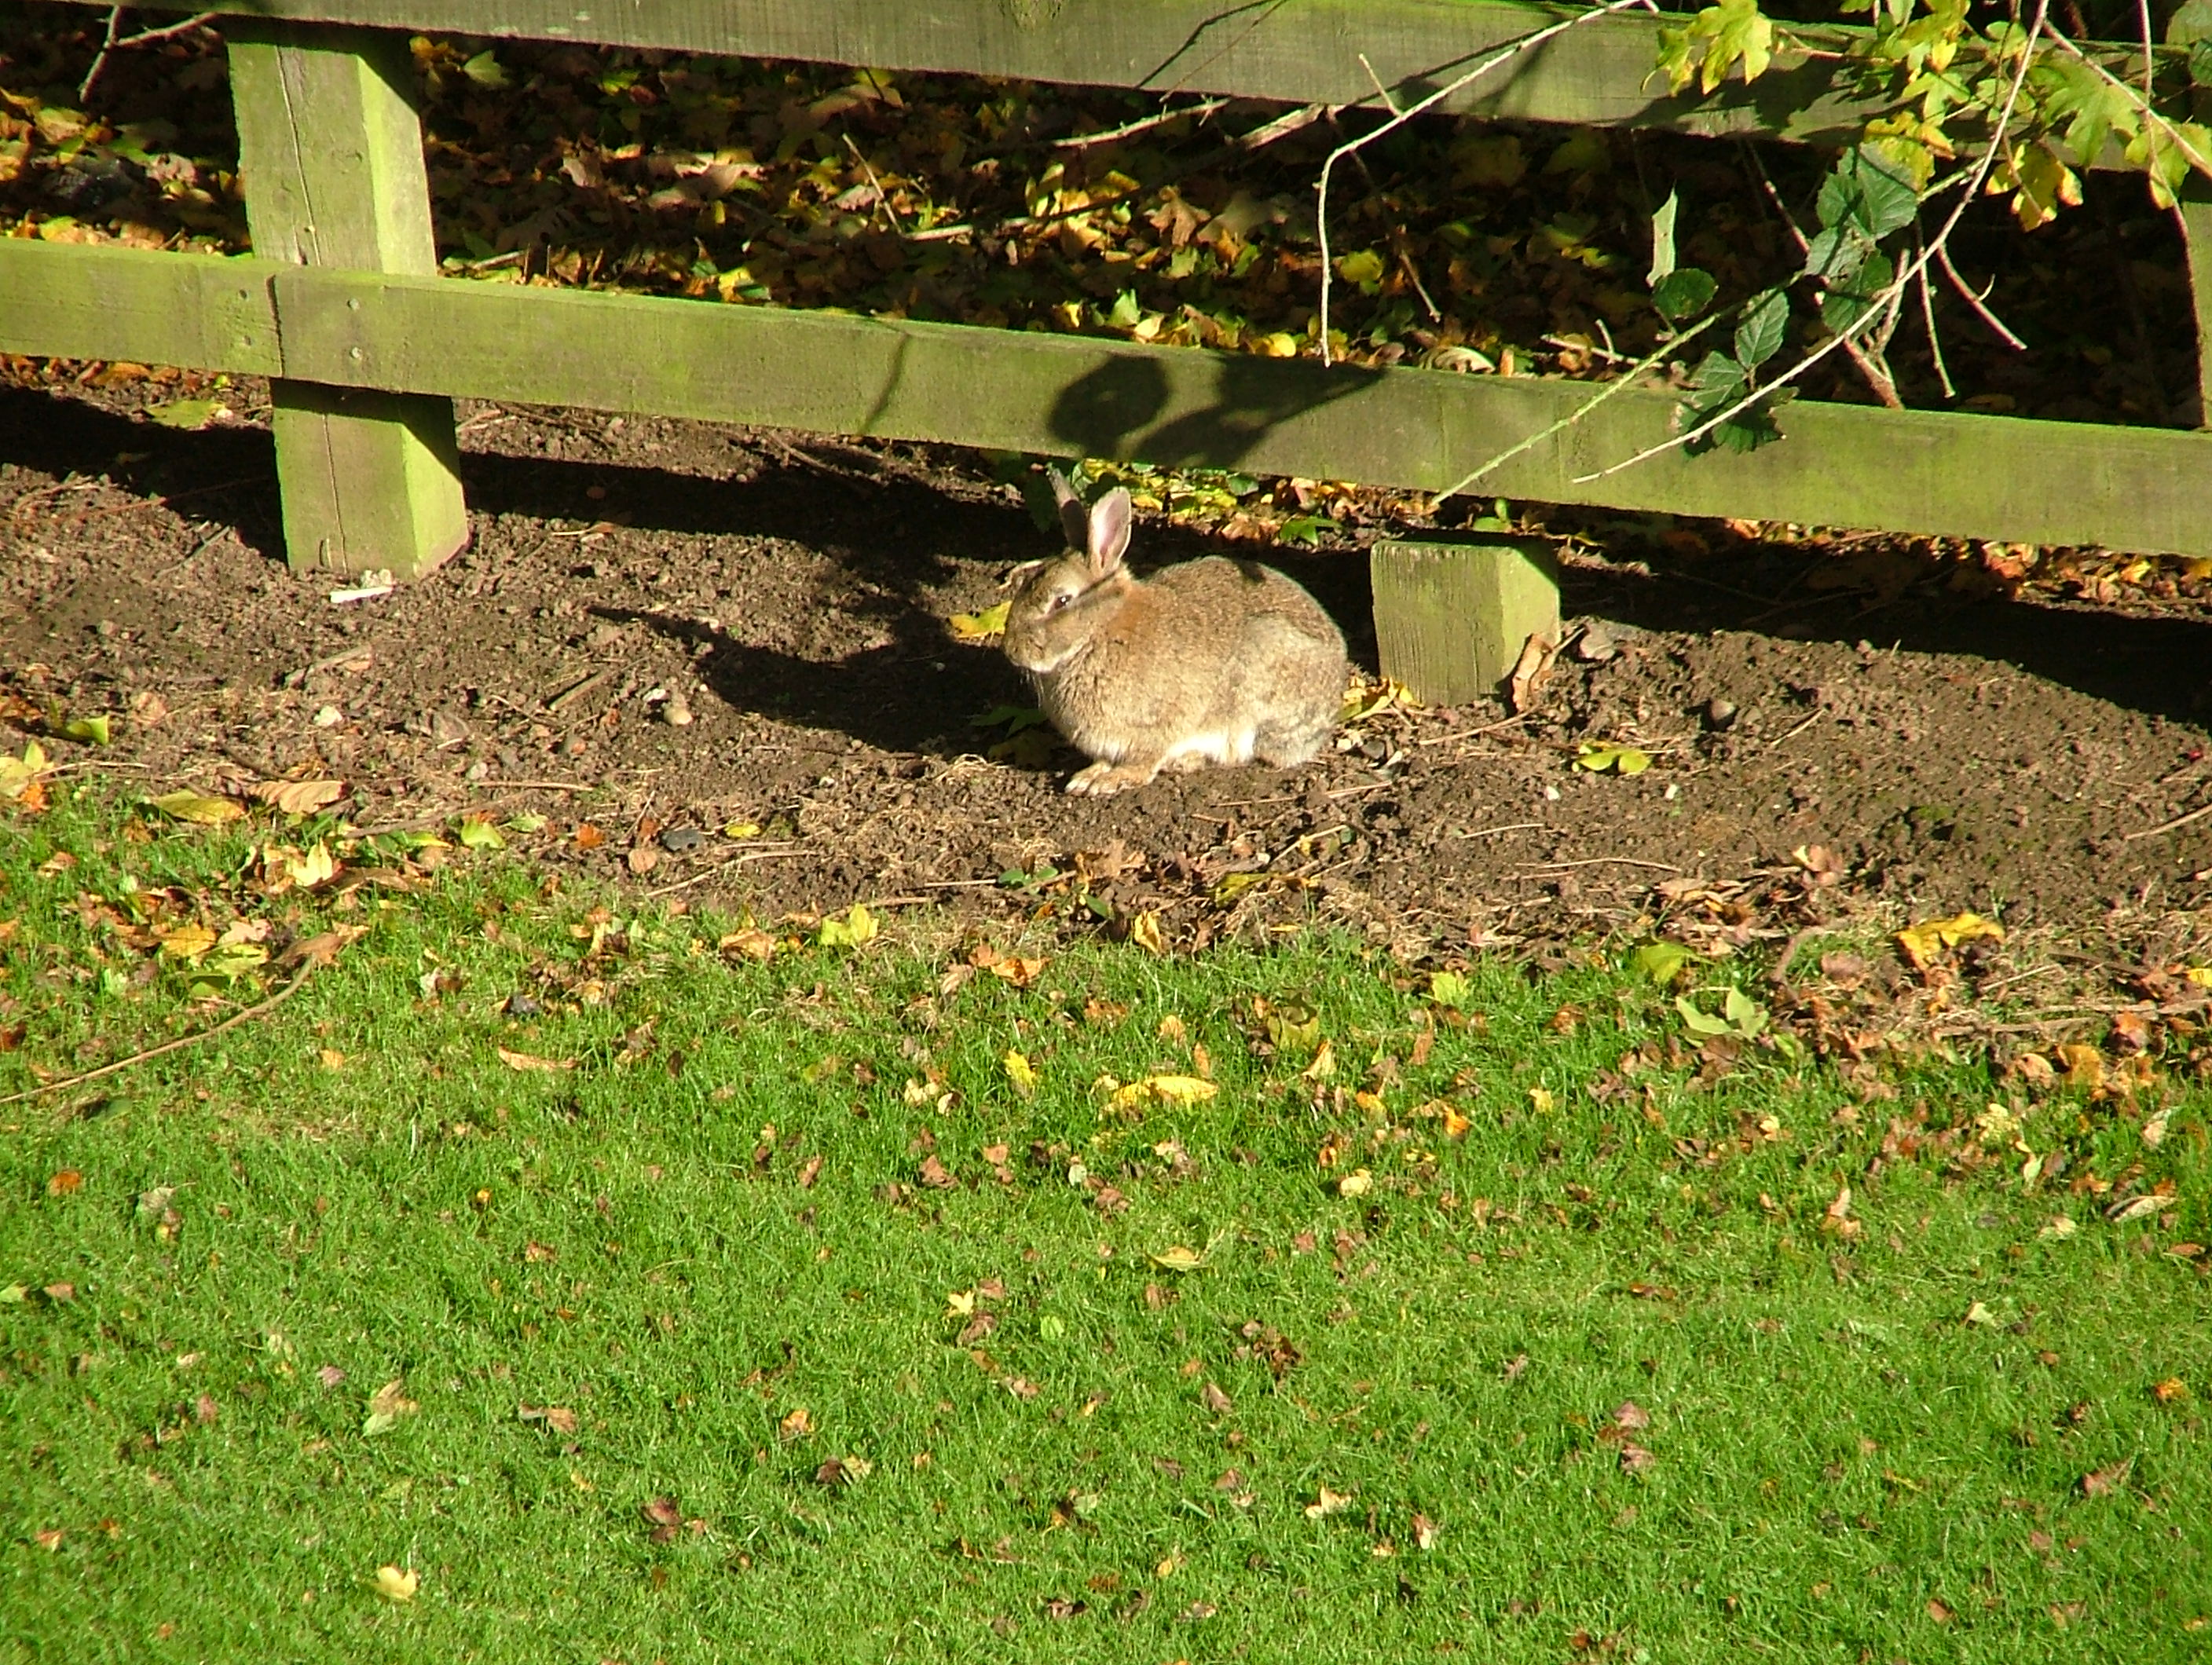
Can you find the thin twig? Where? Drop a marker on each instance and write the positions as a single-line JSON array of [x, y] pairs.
[[1602, 861], [2197, 159], [1979, 302], [2174, 825], [111, 44], [883, 202], [1400, 118], [1494, 832], [1143, 124], [1934, 342], [262, 1010], [1977, 175], [1868, 356], [1626, 378]]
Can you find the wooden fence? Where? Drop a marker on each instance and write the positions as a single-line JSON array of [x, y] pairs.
[[367, 347]]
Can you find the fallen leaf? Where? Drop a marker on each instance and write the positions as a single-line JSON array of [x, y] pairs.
[[1169, 1089], [1634, 1458], [1356, 1184], [2101, 1482], [1630, 1416], [66, 1183], [1144, 932], [1938, 1611], [661, 1511], [396, 1585], [300, 797], [1924, 943], [2172, 1391], [329, 1375], [935, 1174], [20, 777], [1328, 1502], [1530, 670], [50, 1539], [1021, 1074], [796, 1425], [196, 808], [1177, 1258], [190, 416], [386, 1405], [1425, 1532], [526, 1062], [1980, 1313], [2136, 1207], [854, 927], [980, 626], [1214, 1400]]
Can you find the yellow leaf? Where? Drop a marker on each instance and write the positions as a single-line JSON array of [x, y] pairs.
[[316, 867], [194, 807], [1177, 1258], [1021, 1074], [856, 927], [1144, 932], [980, 626], [1323, 1067], [1328, 1502], [2062, 1226], [526, 1061], [394, 1584], [1181, 1089], [1356, 1184], [581, 1481], [2201, 975], [386, 1405], [17, 774], [187, 942], [742, 830], [1924, 943]]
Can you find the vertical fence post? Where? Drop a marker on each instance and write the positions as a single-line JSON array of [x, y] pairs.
[[2197, 241], [331, 151], [1452, 613]]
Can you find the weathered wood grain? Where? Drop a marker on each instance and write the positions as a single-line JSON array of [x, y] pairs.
[[332, 154], [1598, 73], [1451, 614], [1842, 465]]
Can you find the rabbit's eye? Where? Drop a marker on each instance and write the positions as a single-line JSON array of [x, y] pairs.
[[1060, 601]]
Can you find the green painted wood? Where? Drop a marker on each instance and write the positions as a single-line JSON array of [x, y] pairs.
[[105, 301], [1842, 465], [1598, 73], [332, 154], [2196, 239], [1452, 614]]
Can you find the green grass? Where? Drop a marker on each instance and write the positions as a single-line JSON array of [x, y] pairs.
[[1842, 1465]]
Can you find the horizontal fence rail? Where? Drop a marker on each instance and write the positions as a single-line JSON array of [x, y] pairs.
[[1984, 476], [1601, 72]]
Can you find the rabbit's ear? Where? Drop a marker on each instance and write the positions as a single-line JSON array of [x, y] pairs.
[[1109, 531], [1021, 574], [1074, 523]]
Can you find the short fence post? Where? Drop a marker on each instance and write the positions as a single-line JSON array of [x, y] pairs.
[[1452, 614], [330, 150]]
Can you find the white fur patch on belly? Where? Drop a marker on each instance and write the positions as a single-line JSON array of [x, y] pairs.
[[1220, 746]]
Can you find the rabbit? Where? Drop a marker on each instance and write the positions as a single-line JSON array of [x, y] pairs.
[[1210, 661]]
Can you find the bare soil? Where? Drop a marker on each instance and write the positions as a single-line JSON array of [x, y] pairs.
[[1949, 740]]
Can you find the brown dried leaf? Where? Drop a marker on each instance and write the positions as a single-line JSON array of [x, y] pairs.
[[298, 796]]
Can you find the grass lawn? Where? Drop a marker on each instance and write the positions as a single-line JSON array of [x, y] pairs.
[[691, 1306]]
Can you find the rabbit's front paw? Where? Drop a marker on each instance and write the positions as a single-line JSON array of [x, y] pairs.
[[1103, 780]]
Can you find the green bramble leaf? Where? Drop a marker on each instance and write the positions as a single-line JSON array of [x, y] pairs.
[[1683, 294], [1759, 337], [1865, 194], [1716, 40], [1847, 301]]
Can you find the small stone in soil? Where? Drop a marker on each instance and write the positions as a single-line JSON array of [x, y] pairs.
[[520, 1005], [1721, 714], [676, 840]]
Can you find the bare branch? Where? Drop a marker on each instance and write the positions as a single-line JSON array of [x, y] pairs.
[[1978, 303], [1869, 358], [1628, 378], [1142, 124], [1928, 317], [1975, 178], [144, 39], [1459, 83]]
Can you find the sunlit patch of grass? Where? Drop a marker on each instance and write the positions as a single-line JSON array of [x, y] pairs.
[[778, 1314]]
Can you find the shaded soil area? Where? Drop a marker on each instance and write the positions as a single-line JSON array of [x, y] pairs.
[[1860, 728]]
